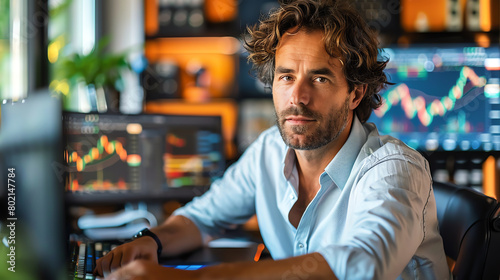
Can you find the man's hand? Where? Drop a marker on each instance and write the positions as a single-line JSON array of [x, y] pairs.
[[147, 270], [310, 266], [143, 248]]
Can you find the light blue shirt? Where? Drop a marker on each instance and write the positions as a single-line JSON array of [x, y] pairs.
[[374, 216]]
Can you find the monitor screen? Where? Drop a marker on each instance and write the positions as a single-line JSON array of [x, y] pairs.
[[31, 194], [121, 153], [445, 98]]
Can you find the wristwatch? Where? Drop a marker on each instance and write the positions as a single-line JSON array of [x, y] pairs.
[[147, 232]]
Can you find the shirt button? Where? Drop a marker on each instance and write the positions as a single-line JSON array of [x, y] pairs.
[[301, 245], [292, 196]]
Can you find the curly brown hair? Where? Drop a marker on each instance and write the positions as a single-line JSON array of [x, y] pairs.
[[347, 37]]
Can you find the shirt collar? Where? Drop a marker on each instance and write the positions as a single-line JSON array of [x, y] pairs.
[[340, 167]]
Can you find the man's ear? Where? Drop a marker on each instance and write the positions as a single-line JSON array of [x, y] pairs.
[[357, 95]]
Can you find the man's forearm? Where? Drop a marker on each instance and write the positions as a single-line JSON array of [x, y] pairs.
[[178, 235], [310, 266]]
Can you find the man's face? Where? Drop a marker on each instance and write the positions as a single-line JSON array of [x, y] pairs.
[[310, 92]]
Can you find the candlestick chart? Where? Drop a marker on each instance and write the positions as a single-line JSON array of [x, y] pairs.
[[426, 109], [442, 98], [101, 162]]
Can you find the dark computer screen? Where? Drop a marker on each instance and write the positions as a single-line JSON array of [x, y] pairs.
[[31, 195], [142, 153], [445, 98]]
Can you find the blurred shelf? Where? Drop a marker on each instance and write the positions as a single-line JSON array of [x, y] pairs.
[[465, 37]]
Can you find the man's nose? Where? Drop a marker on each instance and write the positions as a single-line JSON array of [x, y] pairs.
[[300, 92]]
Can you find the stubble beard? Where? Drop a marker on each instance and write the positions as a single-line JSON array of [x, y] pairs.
[[336, 122]]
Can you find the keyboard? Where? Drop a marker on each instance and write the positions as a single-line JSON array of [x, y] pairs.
[[84, 254]]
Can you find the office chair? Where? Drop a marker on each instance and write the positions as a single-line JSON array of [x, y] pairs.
[[469, 224]]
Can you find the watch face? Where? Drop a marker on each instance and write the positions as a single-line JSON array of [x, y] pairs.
[[141, 233], [147, 232]]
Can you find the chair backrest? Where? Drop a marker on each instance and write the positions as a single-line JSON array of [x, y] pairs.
[[469, 224]]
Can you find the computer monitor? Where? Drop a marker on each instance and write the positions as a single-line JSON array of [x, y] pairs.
[[445, 98], [146, 156], [32, 219]]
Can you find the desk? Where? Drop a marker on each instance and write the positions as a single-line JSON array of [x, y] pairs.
[[211, 255]]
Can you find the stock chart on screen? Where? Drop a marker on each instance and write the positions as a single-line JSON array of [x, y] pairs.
[[444, 98], [102, 153], [190, 155], [114, 152]]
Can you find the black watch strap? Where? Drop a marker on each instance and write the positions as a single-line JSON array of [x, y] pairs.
[[147, 232]]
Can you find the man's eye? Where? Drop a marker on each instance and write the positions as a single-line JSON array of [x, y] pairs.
[[286, 78], [320, 79]]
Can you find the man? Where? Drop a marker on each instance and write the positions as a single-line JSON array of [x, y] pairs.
[[334, 200]]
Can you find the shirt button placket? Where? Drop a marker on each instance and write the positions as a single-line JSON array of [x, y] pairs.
[[300, 248]]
